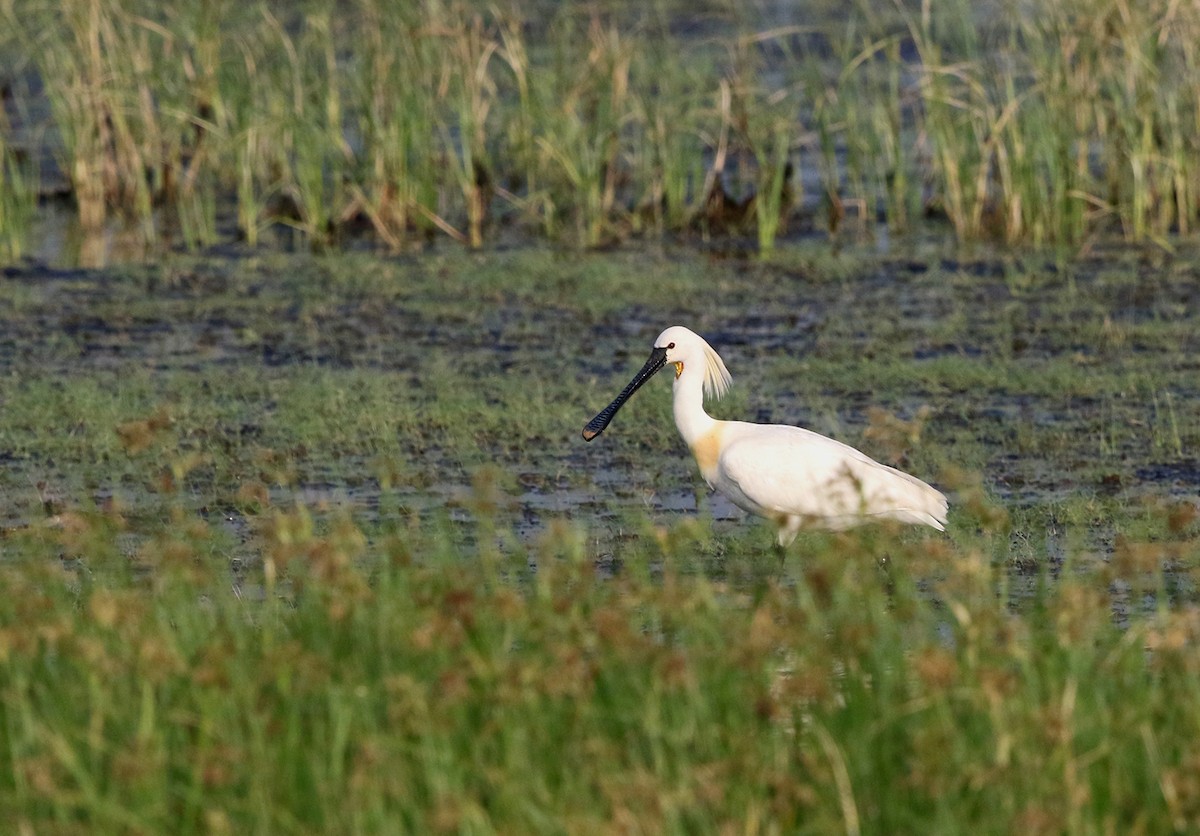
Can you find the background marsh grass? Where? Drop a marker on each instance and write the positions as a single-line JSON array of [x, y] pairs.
[[1047, 124]]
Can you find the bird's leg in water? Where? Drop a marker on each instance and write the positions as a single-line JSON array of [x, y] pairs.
[[780, 552]]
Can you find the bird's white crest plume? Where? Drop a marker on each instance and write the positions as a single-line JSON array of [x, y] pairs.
[[717, 379], [792, 476]]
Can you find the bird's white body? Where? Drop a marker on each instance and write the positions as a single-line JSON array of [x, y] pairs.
[[794, 477]]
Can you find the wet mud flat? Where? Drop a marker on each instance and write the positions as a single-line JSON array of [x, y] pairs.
[[451, 386]]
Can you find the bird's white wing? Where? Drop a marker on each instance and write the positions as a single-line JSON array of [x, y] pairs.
[[781, 470]]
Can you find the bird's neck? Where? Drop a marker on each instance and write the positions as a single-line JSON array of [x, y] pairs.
[[691, 419]]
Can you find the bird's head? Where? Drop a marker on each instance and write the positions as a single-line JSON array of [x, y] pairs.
[[688, 353]]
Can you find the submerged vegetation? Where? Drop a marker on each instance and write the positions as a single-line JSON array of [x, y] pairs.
[[295, 544], [1039, 122]]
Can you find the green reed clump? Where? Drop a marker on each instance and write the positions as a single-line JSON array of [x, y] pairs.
[[668, 153], [91, 94], [1123, 79], [464, 135], [765, 121], [18, 202], [585, 107], [1072, 117], [393, 119], [413, 675]]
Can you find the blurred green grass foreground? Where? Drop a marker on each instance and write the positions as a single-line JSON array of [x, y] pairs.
[[414, 686]]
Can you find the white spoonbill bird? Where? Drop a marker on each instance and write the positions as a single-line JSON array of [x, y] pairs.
[[792, 476]]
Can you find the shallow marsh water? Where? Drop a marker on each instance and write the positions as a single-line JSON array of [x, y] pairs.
[[453, 386]]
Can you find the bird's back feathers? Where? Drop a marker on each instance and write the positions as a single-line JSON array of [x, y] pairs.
[[783, 471]]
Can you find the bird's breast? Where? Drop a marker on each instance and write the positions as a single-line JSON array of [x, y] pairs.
[[707, 449]]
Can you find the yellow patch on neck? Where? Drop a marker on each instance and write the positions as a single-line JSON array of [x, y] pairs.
[[706, 450], [678, 370]]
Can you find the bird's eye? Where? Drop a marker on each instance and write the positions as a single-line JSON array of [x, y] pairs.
[[670, 345]]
